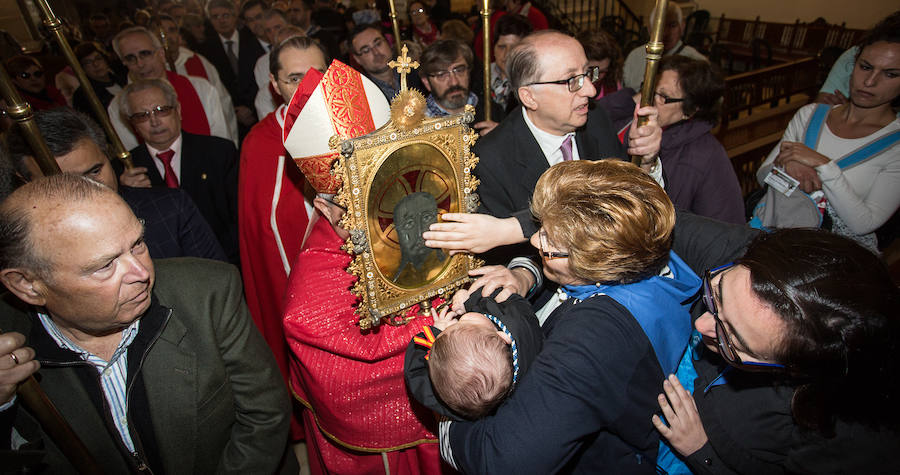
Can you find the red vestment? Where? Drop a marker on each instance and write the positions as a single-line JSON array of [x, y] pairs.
[[351, 382], [193, 116], [272, 220]]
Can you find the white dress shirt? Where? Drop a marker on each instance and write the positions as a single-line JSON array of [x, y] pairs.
[[550, 143]]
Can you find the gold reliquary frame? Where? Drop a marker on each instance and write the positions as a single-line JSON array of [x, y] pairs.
[[396, 181]]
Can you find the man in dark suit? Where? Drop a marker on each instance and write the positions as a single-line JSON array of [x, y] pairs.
[[234, 53], [206, 167], [549, 73], [173, 226]]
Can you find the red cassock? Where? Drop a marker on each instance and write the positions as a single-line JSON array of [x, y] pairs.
[[272, 221], [351, 382]]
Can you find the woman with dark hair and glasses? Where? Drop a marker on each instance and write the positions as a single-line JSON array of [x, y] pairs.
[[799, 373], [697, 172], [28, 76], [622, 323]]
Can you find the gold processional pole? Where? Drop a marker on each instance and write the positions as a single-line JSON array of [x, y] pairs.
[[51, 21], [29, 390], [654, 50], [486, 30], [396, 25]]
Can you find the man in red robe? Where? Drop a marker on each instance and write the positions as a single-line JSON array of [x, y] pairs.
[[358, 417], [272, 212]]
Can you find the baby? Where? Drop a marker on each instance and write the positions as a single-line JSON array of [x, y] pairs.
[[464, 368]]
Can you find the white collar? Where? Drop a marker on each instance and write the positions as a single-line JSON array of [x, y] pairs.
[[548, 142]]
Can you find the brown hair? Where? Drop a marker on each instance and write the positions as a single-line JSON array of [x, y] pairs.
[[599, 45], [471, 369], [614, 220], [702, 84]]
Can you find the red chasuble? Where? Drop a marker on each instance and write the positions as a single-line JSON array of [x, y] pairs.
[[272, 220], [351, 382]]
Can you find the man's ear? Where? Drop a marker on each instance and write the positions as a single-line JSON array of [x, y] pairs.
[[426, 82], [273, 82], [23, 284], [526, 97]]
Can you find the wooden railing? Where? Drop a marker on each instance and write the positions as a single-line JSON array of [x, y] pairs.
[[611, 15], [746, 91], [757, 108]]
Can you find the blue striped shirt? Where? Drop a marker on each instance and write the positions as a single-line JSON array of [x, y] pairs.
[[112, 373]]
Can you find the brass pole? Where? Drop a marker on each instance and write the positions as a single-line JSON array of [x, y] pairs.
[[654, 50], [486, 30], [21, 112], [396, 25], [57, 428], [51, 21]]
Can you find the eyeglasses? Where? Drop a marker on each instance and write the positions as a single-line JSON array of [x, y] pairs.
[[158, 111], [668, 100], [26, 75], [141, 55], [420, 11], [458, 71], [549, 255], [378, 43], [723, 340], [576, 82]]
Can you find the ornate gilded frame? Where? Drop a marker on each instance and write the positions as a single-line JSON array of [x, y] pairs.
[[380, 169]]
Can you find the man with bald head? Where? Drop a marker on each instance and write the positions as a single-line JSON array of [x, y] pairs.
[[155, 365]]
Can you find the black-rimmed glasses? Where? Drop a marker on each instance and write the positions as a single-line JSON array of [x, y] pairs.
[[158, 111], [576, 82], [549, 255], [723, 340], [669, 100], [458, 71]]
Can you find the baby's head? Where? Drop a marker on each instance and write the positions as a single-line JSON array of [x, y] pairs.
[[471, 366]]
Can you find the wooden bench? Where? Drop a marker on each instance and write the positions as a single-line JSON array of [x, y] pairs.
[[788, 41]]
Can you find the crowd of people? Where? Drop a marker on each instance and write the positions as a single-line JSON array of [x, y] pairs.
[[188, 310]]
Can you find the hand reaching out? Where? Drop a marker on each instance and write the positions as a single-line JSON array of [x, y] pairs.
[[470, 232], [685, 429]]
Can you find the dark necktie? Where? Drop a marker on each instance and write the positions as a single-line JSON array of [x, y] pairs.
[[232, 58], [166, 159], [566, 148]]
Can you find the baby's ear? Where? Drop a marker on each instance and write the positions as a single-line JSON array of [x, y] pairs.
[[505, 337]]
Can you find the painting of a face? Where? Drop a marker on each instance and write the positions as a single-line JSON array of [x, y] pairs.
[[412, 217], [410, 191]]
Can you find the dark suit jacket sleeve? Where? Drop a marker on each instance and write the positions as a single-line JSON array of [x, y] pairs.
[[600, 139], [194, 233], [260, 401], [705, 243]]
